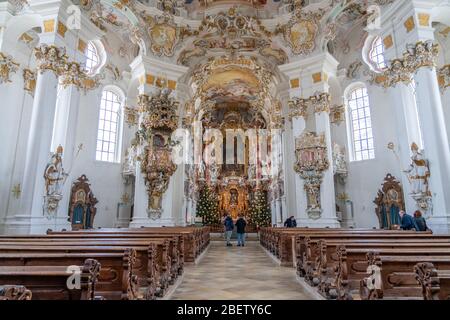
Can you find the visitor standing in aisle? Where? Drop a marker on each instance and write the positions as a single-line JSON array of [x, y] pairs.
[[229, 226], [240, 230]]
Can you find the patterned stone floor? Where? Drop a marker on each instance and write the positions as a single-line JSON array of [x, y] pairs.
[[234, 273]]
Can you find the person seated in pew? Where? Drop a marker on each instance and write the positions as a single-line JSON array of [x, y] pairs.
[[407, 222], [290, 222], [420, 221]]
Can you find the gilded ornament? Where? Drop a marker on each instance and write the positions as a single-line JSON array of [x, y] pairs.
[[7, 67], [164, 34], [29, 81], [301, 31], [337, 114], [444, 77], [131, 116], [311, 162], [422, 54], [160, 110], [50, 58]]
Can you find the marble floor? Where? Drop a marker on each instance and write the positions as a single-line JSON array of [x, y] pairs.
[[235, 273]]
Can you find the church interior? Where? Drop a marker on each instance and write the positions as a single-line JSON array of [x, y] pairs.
[[133, 130]]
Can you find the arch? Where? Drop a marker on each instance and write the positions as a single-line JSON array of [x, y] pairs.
[[367, 51], [101, 55], [15, 27]]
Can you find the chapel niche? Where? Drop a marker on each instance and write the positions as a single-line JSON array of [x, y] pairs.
[[82, 208], [389, 202]]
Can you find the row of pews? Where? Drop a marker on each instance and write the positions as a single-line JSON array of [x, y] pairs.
[[97, 264], [366, 264]]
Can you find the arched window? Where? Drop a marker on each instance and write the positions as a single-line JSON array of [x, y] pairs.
[[92, 58], [109, 126], [360, 125], [376, 54]]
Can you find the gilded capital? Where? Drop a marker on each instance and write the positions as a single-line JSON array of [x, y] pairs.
[[298, 107], [73, 74], [321, 102], [421, 54], [50, 57]]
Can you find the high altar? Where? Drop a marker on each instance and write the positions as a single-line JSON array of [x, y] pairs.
[[233, 196]]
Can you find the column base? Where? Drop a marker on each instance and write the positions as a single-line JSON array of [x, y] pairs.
[[347, 224], [23, 225], [147, 222], [439, 225]]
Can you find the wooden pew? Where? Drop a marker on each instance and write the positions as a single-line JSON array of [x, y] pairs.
[[10, 292], [301, 241], [119, 279], [116, 277], [195, 239], [435, 283], [169, 251], [50, 282], [316, 252], [394, 277], [282, 242]]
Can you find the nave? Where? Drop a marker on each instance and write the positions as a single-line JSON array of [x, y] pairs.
[[239, 273]]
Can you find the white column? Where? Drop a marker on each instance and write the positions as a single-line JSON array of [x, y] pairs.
[[64, 134], [327, 194], [31, 214], [14, 111], [436, 145], [407, 133]]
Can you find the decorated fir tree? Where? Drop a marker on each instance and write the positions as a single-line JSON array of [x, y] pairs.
[[207, 206], [260, 210]]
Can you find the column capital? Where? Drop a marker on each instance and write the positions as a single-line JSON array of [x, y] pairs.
[[311, 74], [317, 103], [419, 55], [153, 73]]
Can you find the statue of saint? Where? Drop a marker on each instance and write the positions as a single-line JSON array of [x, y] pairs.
[[418, 171], [54, 174]]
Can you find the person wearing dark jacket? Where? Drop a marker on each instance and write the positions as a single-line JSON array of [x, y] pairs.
[[420, 221], [229, 226], [240, 230], [407, 222], [290, 222]]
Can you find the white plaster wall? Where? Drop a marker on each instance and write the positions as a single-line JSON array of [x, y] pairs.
[[105, 177]]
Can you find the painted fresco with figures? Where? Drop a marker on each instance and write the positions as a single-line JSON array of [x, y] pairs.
[[315, 133]]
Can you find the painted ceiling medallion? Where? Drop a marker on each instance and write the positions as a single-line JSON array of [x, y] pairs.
[[301, 31], [164, 34]]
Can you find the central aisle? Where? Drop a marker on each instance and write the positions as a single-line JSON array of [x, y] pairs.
[[234, 273]]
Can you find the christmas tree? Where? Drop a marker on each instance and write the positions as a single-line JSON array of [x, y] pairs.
[[260, 210], [207, 207]]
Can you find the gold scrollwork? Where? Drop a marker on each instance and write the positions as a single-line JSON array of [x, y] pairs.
[[29, 81], [444, 77], [422, 54], [7, 66]]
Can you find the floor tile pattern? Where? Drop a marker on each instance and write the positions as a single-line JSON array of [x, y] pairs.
[[235, 273]]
